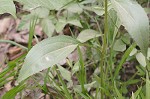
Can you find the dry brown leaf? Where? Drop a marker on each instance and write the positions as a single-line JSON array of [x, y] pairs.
[[7, 25]]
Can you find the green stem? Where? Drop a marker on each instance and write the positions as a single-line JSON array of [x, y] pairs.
[[104, 51], [82, 72], [31, 32]]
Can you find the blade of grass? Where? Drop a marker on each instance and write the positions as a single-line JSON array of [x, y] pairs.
[[137, 93], [117, 92], [82, 72], [45, 81], [4, 78], [65, 89], [12, 93], [58, 88], [14, 43], [11, 66], [125, 56], [31, 32]]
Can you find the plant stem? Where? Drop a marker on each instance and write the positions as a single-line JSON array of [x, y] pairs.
[[82, 72], [104, 50], [31, 32]]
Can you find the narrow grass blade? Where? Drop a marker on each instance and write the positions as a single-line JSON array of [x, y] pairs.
[[14, 43], [12, 93], [125, 56], [117, 92], [31, 32]]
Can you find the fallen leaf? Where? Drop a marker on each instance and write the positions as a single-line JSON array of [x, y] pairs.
[[6, 24]]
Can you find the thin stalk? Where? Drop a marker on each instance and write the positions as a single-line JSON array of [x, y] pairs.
[[31, 32], [82, 72], [104, 50], [65, 89], [14, 43]]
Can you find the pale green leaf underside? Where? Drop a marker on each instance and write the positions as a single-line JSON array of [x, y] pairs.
[[49, 4], [46, 54], [135, 20], [119, 46], [48, 26], [65, 73], [62, 22], [141, 59], [7, 6], [87, 34]]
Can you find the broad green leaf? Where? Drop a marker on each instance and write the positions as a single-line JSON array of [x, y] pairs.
[[62, 22], [60, 25], [12, 93], [48, 27], [99, 10], [135, 20], [46, 54], [40, 12], [119, 46], [75, 22], [74, 8], [7, 6], [49, 4], [87, 34], [141, 59]]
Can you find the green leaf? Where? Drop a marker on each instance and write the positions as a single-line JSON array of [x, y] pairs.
[[137, 93], [49, 4], [74, 8], [119, 46], [147, 86], [25, 22], [7, 6], [75, 22], [41, 12], [135, 20], [60, 24], [87, 34], [46, 54], [12, 93], [87, 86], [63, 21], [65, 73], [141, 59], [134, 51], [75, 67], [48, 27]]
